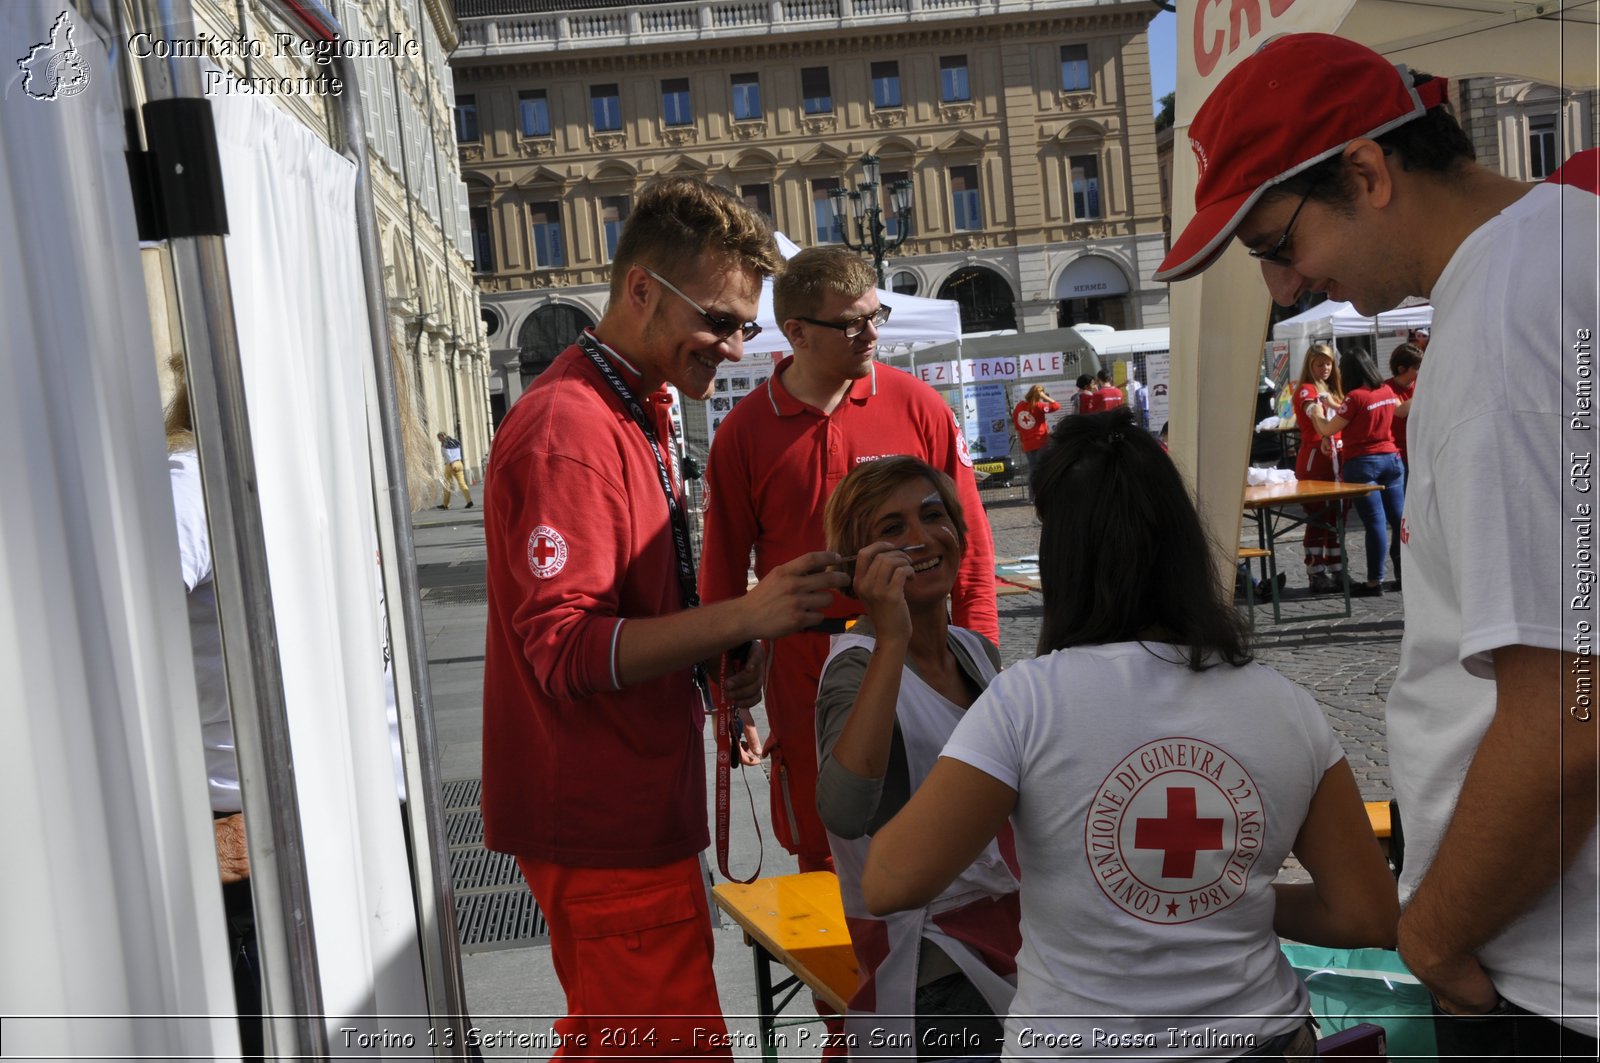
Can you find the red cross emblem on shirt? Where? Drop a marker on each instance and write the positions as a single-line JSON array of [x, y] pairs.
[[1181, 835], [547, 551]]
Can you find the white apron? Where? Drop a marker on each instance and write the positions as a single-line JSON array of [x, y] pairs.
[[969, 921]]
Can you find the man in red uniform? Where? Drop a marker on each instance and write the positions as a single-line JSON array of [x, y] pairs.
[[1405, 361], [1084, 400], [826, 409], [594, 765], [1109, 396]]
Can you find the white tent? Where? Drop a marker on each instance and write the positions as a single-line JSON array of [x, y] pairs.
[[1332, 318], [1221, 318]]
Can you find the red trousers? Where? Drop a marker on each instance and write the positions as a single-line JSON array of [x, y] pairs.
[[632, 948]]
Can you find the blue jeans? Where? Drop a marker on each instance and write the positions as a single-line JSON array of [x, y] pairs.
[[1379, 509]]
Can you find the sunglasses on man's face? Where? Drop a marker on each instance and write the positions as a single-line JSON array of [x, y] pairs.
[[856, 325], [720, 327]]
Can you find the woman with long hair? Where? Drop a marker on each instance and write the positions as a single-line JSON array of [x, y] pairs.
[[1365, 424], [1319, 389], [1155, 779], [1029, 420], [892, 690]]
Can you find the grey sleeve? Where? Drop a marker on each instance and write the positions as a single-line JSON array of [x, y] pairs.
[[845, 801]]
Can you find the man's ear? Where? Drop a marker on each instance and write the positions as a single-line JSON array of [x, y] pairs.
[[1369, 167], [636, 287], [794, 330]]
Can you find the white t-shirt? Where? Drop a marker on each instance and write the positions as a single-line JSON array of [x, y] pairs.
[[205, 638], [1492, 553], [205, 634], [1154, 807]]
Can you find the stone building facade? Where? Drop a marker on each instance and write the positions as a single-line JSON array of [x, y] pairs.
[[1025, 132], [420, 199], [1524, 129]]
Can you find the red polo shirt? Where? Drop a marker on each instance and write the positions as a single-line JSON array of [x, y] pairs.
[[575, 770], [776, 460], [1032, 429], [1369, 422]]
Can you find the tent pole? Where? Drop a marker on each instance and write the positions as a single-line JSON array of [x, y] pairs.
[[292, 988]]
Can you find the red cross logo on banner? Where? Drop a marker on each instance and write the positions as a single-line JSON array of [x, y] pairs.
[[1180, 836], [547, 551]]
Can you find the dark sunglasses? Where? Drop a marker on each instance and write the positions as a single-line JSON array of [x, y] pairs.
[[721, 327]]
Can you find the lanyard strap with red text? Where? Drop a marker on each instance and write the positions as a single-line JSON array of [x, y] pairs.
[[719, 708], [728, 731]]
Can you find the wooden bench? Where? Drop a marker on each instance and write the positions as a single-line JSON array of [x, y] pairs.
[[1248, 554], [1378, 816], [794, 922]]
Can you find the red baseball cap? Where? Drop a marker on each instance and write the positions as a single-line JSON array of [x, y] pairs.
[[1298, 100]]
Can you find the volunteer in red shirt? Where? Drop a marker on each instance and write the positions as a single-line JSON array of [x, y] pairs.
[[1365, 422], [1319, 391], [593, 749], [1029, 420], [1405, 361], [776, 458], [1108, 396], [1085, 399]]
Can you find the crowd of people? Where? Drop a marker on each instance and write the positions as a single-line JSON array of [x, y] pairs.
[[1086, 841]]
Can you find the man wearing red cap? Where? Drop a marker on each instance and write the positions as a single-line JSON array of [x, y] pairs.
[[1347, 175]]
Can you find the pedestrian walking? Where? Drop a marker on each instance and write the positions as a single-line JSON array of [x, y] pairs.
[[455, 473]]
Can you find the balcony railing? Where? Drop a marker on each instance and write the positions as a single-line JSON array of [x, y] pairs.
[[619, 27]]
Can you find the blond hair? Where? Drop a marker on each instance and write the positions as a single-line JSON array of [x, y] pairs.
[[813, 275], [1335, 384], [676, 221]]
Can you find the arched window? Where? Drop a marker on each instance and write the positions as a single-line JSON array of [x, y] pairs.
[[986, 301], [548, 331]]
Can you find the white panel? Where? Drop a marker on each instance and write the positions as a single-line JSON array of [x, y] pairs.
[[110, 904], [304, 352]]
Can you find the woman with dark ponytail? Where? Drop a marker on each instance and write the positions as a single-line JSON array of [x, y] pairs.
[[1155, 779]]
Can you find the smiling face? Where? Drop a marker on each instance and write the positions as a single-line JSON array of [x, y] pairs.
[[678, 345], [913, 514]]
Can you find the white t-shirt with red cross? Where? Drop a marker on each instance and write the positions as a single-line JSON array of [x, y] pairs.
[[1498, 544], [1155, 805]]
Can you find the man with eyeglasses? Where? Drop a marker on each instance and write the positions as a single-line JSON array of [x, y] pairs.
[[593, 755], [828, 407], [1346, 174]]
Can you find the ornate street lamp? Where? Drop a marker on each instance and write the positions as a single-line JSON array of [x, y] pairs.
[[867, 206]]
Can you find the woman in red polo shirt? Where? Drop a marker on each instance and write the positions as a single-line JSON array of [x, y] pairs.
[[1028, 418], [1318, 460], [1366, 424]]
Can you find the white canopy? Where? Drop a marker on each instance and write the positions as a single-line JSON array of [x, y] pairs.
[[1332, 318]]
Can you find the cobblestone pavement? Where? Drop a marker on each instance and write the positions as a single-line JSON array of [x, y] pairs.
[[1346, 663]]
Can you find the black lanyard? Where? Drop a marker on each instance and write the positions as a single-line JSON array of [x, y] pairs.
[[675, 513]]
